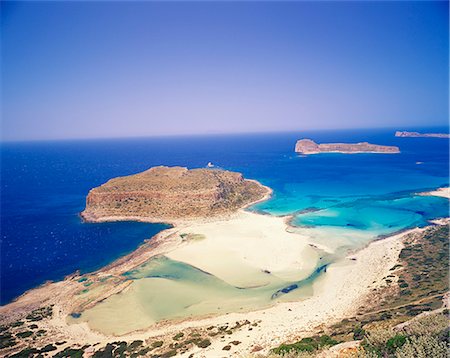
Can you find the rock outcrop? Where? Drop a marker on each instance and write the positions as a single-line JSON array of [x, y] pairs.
[[307, 146], [167, 194], [417, 134]]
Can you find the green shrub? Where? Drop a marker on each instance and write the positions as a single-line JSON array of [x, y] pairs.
[[295, 347], [105, 353], [134, 345], [395, 342], [377, 337], [171, 353], [308, 344], [24, 334], [428, 325], [204, 343], [325, 341], [7, 340], [17, 324], [178, 336], [70, 352], [157, 344], [422, 347], [120, 349], [358, 333], [26, 353], [48, 348]]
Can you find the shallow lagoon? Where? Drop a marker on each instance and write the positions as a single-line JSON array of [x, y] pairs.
[[166, 289]]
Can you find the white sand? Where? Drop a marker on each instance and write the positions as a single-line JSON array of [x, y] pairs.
[[442, 192], [338, 294], [238, 250], [247, 250]]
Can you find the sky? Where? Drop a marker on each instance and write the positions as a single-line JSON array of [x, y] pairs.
[[124, 69]]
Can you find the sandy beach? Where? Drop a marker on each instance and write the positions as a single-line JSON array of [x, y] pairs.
[[228, 265], [339, 293], [246, 250], [442, 192], [240, 250]]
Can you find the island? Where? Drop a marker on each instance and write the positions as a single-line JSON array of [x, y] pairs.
[[167, 194], [405, 134], [308, 146]]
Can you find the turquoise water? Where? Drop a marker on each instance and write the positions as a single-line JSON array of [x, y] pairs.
[[369, 194], [355, 198], [378, 215]]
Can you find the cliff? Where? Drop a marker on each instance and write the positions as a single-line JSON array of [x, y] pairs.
[[307, 146], [167, 194], [417, 134]]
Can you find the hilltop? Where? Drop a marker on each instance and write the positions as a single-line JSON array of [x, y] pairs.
[[172, 193]]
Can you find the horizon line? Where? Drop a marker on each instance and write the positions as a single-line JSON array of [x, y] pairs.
[[216, 134]]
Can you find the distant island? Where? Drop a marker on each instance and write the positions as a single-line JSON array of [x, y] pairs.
[[308, 146], [167, 194], [417, 134]]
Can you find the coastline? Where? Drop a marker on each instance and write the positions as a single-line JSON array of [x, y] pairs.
[[443, 192], [337, 294], [344, 152], [162, 242]]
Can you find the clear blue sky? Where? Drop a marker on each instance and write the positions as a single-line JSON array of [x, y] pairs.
[[112, 69]]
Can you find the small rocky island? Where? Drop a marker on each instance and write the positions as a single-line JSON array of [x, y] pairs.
[[167, 194], [308, 146], [417, 134]]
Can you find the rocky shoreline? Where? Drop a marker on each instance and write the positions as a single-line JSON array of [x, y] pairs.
[[307, 146]]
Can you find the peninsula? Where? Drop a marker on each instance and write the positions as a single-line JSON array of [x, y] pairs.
[[308, 146], [167, 194], [417, 134]]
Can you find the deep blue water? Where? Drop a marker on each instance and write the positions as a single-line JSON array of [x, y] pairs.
[[44, 185]]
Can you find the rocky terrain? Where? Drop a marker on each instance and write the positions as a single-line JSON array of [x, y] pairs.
[[406, 316], [172, 193], [307, 146], [417, 134]]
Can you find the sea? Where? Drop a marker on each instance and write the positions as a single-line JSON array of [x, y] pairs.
[[354, 198]]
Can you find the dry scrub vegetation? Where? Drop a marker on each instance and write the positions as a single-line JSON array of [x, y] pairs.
[[391, 326]]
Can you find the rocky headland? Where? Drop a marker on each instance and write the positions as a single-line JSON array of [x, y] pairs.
[[308, 146], [169, 194], [417, 134]]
